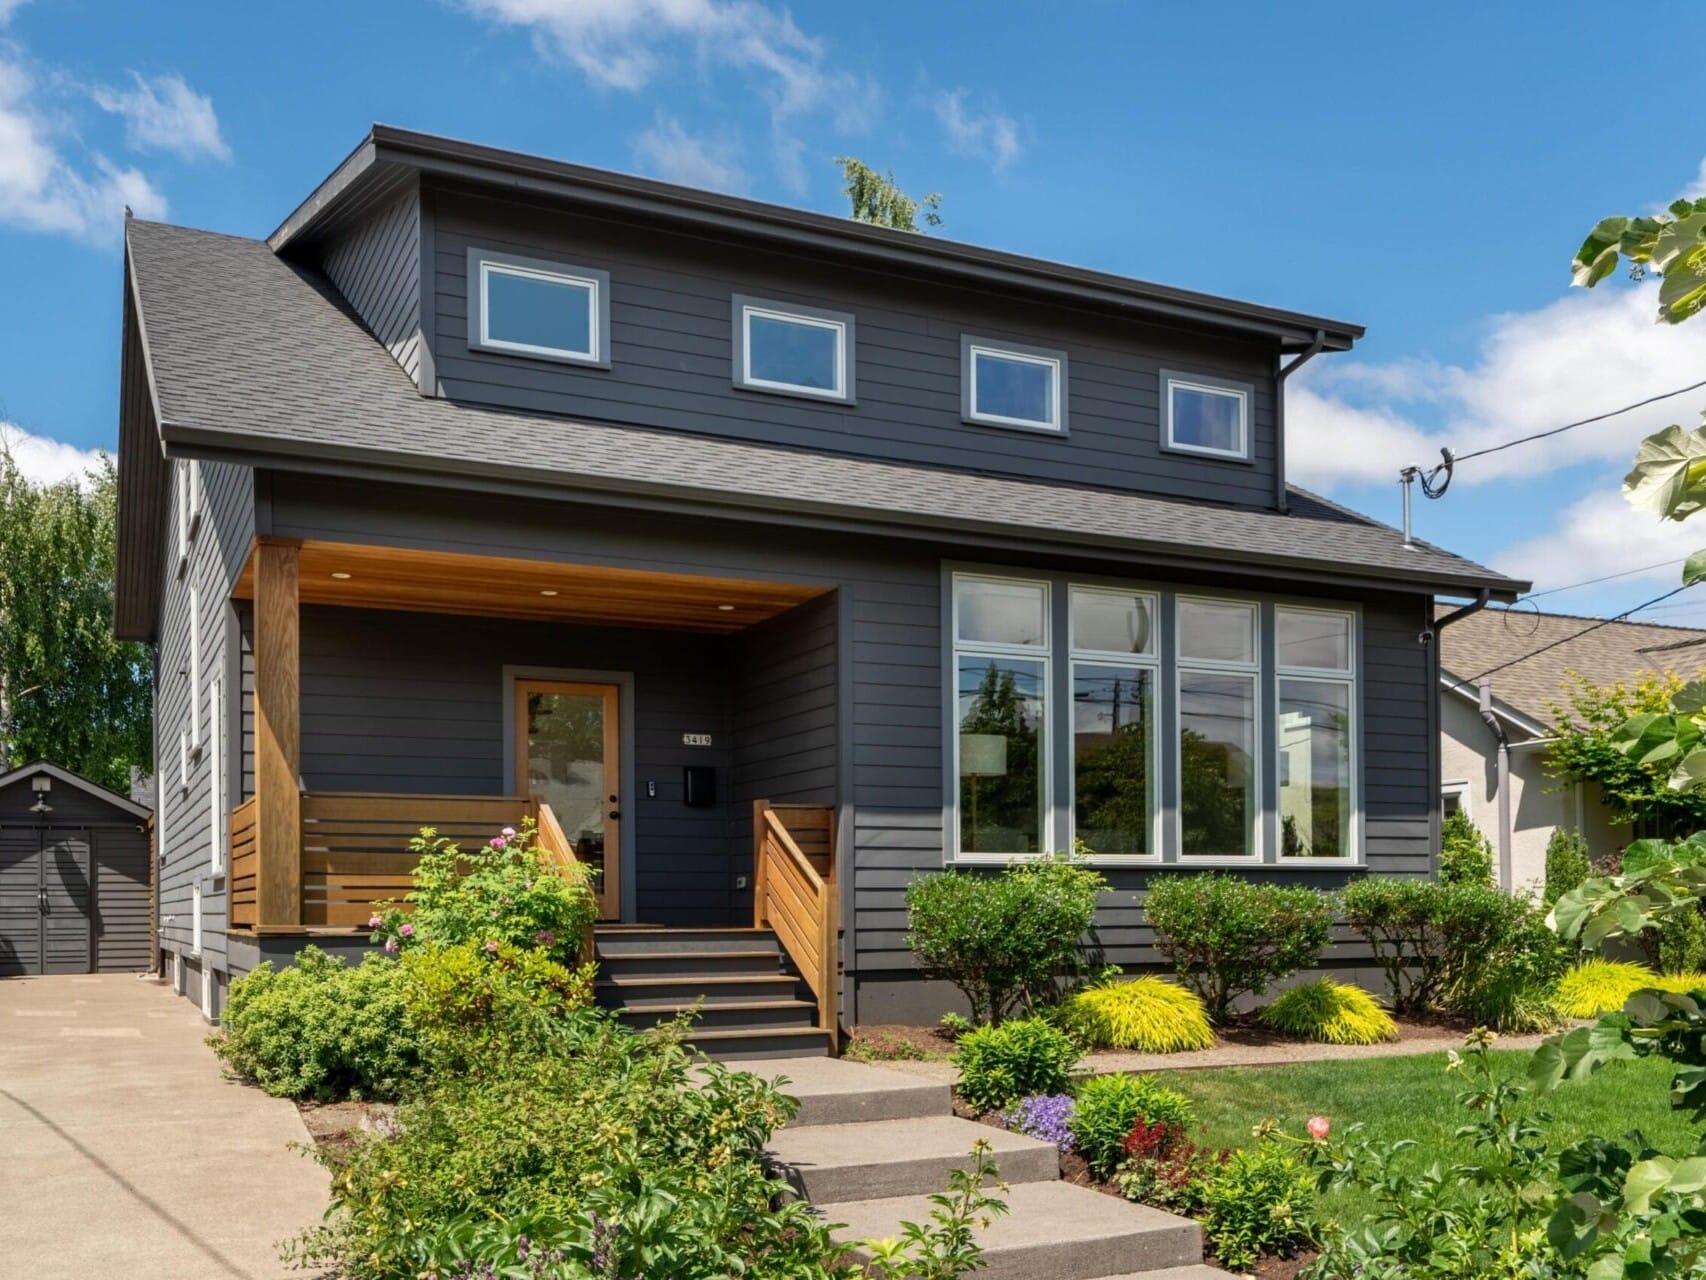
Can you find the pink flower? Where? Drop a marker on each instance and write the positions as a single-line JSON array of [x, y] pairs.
[[390, 946], [1319, 1127], [408, 931], [492, 946], [497, 842], [374, 921], [508, 833]]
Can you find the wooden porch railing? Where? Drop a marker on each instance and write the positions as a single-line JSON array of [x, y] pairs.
[[245, 863], [794, 894], [562, 851]]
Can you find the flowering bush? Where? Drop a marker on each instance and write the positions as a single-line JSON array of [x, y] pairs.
[[1110, 1107], [471, 1007], [1259, 1201], [1046, 1117], [1000, 1065], [506, 891], [1164, 1168]]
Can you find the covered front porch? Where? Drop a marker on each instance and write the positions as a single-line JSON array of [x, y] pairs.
[[635, 715]]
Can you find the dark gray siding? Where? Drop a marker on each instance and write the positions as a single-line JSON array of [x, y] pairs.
[[671, 358], [121, 899], [376, 265]]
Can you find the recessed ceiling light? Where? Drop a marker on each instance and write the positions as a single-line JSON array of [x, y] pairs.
[[725, 608], [341, 577], [547, 592]]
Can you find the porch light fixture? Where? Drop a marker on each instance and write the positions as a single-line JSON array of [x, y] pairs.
[[341, 576], [725, 608], [547, 592]]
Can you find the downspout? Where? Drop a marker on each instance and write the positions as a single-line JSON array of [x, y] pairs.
[[1282, 503], [1430, 635], [1504, 782]]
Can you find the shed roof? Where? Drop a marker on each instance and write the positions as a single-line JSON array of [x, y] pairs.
[[61, 774]]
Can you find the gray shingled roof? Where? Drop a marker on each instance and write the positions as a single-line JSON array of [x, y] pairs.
[[1602, 654], [254, 356]]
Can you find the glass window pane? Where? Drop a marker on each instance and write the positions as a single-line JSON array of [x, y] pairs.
[[792, 352], [1308, 639], [1113, 770], [1008, 387], [537, 311], [1204, 419], [566, 766], [1217, 764], [1002, 612], [1001, 705], [1216, 631], [1315, 769], [1113, 621]]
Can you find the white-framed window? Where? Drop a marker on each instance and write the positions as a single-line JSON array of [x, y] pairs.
[[1454, 798], [1001, 713], [544, 310], [195, 919], [1115, 682], [1218, 694], [1005, 385], [793, 350], [217, 829], [1315, 667], [195, 668], [186, 482], [1209, 416]]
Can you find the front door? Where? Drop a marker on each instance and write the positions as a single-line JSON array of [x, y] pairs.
[[44, 900], [567, 755]]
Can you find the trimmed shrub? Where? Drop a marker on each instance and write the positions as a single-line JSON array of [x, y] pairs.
[[1567, 864], [319, 1029], [1000, 1065], [1110, 1107], [1681, 940], [1600, 986], [1004, 940], [1229, 936], [473, 1005], [1148, 1013], [1465, 855], [1332, 1012], [1261, 1201]]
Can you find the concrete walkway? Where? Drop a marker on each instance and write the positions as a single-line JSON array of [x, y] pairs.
[[124, 1154]]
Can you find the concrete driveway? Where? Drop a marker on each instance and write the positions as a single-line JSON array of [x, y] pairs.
[[125, 1154]]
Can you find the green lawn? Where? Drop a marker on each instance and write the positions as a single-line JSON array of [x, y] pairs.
[[1415, 1097]]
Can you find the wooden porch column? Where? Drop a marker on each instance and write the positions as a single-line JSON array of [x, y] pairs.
[[278, 733]]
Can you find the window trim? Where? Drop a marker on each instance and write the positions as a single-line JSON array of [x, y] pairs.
[[1246, 395], [1150, 662], [218, 827], [1043, 653], [598, 320], [971, 347], [1257, 673], [743, 307], [194, 672], [1350, 679]]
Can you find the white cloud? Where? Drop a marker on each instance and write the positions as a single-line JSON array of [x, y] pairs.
[[669, 151], [43, 190], [165, 114], [1587, 353], [626, 44], [1696, 189], [44, 460], [989, 134], [1597, 535], [8, 8]]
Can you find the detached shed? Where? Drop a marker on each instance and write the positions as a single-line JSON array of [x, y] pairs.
[[74, 868]]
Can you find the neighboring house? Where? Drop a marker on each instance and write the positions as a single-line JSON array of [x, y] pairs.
[[74, 886], [1535, 656], [488, 480]]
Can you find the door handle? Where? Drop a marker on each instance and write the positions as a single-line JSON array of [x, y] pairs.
[[41, 901], [615, 815]]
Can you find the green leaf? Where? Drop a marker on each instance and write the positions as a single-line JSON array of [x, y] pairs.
[[1692, 696], [1669, 475], [1645, 1181]]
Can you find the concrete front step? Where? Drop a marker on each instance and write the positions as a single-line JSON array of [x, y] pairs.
[[727, 962], [1201, 1271], [629, 940], [836, 1091], [881, 1159], [627, 992], [738, 1015], [1052, 1231], [741, 1045]]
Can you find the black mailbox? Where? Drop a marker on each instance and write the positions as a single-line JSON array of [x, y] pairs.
[[699, 786]]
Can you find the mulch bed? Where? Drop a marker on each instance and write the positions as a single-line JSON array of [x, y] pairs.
[[335, 1125]]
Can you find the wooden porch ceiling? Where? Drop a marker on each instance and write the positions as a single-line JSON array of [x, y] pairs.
[[371, 577]]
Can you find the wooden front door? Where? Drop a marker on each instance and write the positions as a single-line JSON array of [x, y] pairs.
[[568, 755]]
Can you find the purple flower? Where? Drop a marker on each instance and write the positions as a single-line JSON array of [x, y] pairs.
[[545, 938], [492, 946], [508, 833], [374, 921], [408, 931], [1044, 1116], [390, 946], [497, 842]]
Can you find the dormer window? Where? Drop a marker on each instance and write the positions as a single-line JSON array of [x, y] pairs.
[[1003, 384], [1205, 415], [543, 310], [793, 350]]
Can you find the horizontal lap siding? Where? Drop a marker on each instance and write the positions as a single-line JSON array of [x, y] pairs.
[[121, 899], [376, 265], [670, 320]]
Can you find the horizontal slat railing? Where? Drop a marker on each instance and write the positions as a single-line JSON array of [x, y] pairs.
[[245, 855], [562, 851], [794, 894]]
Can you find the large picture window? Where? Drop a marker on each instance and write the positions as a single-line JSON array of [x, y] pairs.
[[1315, 651], [1115, 672], [1219, 680], [1001, 663]]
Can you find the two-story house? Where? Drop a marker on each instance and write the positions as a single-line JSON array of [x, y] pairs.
[[771, 559]]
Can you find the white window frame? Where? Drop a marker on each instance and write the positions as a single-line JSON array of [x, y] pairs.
[[1043, 653], [186, 479], [1150, 662], [1172, 381], [1461, 789], [484, 263], [1347, 678], [217, 825], [1214, 666], [839, 322], [184, 761], [971, 348], [195, 670]]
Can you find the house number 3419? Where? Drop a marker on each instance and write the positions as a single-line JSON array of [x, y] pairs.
[[695, 739]]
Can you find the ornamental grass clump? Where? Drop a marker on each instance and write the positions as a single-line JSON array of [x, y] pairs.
[[1331, 1012], [1148, 1014], [1595, 987]]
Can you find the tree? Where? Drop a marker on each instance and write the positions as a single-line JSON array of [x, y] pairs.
[[1589, 749], [877, 199], [69, 690]]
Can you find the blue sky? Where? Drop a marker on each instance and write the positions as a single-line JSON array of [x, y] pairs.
[[1426, 172]]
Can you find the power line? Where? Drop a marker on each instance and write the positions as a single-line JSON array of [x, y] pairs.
[[1575, 635], [1588, 582], [1571, 426]]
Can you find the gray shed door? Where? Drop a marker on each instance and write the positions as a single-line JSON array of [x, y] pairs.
[[44, 900]]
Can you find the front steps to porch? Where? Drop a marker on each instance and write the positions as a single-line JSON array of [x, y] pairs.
[[750, 1001], [870, 1145]]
